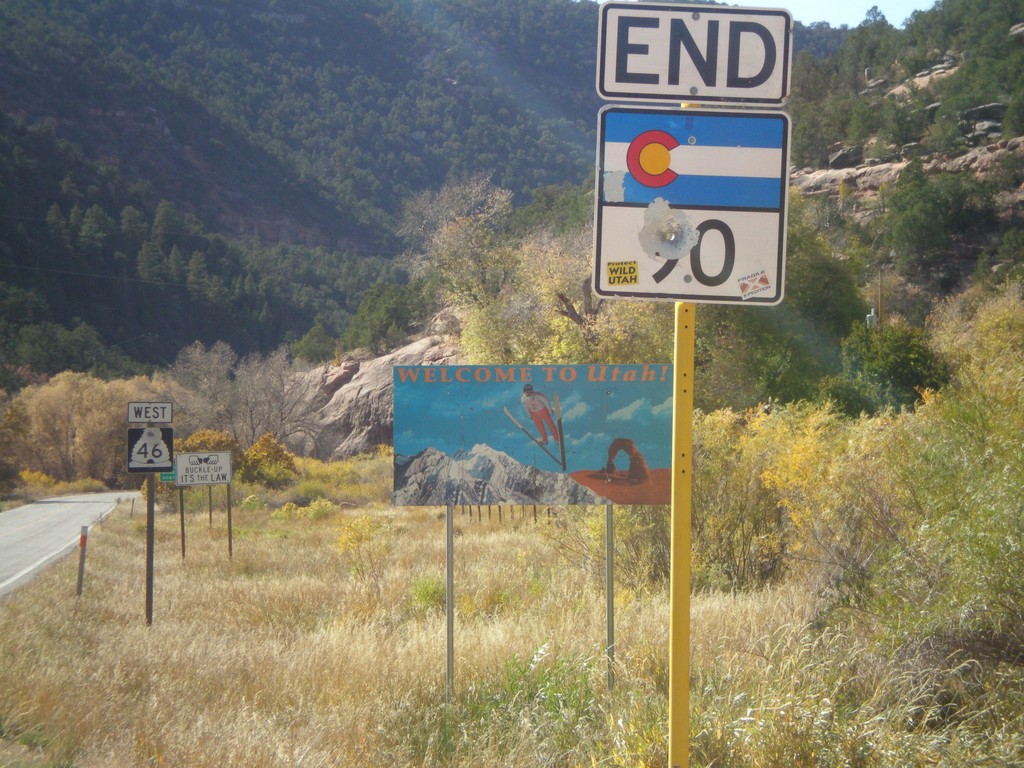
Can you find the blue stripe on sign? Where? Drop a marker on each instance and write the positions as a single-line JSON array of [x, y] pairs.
[[709, 191], [735, 130]]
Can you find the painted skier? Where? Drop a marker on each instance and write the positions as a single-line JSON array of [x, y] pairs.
[[539, 409]]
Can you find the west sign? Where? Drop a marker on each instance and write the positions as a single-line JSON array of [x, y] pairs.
[[694, 53]]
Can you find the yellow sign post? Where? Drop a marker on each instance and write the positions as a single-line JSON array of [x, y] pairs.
[[682, 485], [653, 210]]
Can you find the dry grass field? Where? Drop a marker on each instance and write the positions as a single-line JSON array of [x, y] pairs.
[[859, 604], [322, 643]]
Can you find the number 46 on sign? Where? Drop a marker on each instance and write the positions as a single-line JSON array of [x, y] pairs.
[[151, 449]]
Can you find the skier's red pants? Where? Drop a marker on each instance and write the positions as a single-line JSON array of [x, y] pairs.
[[542, 418]]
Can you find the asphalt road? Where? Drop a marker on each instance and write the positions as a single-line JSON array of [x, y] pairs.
[[37, 534]]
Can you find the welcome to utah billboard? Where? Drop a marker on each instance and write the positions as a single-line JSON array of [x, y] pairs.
[[542, 434]]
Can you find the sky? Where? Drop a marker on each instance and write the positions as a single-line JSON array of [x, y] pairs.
[[839, 12]]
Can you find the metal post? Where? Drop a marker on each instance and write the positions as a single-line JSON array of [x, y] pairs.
[[230, 535], [150, 538], [181, 514], [609, 586], [682, 488], [449, 600], [82, 541], [209, 503]]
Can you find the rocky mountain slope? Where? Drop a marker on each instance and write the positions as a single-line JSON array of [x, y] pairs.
[[864, 182], [481, 475]]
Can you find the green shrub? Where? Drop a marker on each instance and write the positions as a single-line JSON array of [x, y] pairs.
[[927, 214], [288, 511], [429, 593], [887, 366], [307, 490], [365, 540], [317, 346], [642, 542], [738, 527], [318, 509], [252, 503]]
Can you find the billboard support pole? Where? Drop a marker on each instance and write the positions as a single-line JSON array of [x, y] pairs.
[[609, 573], [449, 600], [682, 486], [230, 534]]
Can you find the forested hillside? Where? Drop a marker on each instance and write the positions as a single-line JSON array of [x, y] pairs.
[[174, 172], [265, 108]]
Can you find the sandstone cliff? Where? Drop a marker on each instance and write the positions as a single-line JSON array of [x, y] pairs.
[[864, 182], [353, 400]]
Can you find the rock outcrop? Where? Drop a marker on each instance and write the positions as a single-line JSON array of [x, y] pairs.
[[866, 180], [862, 178], [353, 402], [846, 157]]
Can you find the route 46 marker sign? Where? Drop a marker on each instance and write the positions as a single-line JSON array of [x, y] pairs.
[[691, 205], [150, 449]]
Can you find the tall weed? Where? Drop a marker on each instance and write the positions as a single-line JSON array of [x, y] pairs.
[[960, 465]]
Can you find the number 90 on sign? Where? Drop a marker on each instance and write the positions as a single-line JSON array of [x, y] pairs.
[[725, 256]]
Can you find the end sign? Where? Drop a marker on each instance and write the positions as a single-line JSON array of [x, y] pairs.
[[696, 53]]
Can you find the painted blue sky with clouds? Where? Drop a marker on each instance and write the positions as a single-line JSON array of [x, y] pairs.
[[599, 403]]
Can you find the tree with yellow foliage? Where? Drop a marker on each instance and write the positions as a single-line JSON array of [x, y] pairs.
[[75, 426]]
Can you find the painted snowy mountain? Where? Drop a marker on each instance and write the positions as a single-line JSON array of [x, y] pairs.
[[480, 476]]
